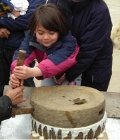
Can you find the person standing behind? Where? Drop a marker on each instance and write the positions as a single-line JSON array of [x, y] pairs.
[[91, 25], [12, 33], [50, 42]]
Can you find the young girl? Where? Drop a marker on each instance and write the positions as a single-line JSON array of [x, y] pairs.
[[50, 42]]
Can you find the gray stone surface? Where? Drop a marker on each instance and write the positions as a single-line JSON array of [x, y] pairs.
[[55, 106]]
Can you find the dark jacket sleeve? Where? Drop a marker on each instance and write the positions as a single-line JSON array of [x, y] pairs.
[[5, 108], [91, 42], [20, 23]]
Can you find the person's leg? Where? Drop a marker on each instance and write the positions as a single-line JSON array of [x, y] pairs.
[[77, 81], [98, 80], [48, 82], [5, 61], [51, 82], [29, 82]]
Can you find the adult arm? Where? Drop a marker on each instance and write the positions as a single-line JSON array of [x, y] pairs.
[[5, 107], [91, 42], [11, 97]]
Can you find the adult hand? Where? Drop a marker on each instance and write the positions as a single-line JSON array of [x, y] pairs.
[[4, 33], [16, 95]]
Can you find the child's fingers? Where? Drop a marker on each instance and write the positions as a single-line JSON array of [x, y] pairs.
[[19, 73], [20, 68], [19, 76]]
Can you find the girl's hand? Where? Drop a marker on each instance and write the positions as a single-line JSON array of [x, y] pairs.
[[23, 72], [14, 82]]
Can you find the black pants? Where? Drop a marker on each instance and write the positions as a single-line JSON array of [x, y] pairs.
[[98, 80], [5, 63]]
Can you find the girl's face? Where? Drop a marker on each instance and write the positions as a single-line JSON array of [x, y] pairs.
[[46, 37]]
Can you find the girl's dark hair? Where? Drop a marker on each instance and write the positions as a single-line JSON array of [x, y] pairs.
[[51, 18]]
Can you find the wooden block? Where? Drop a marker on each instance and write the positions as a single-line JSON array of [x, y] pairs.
[[21, 110]]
